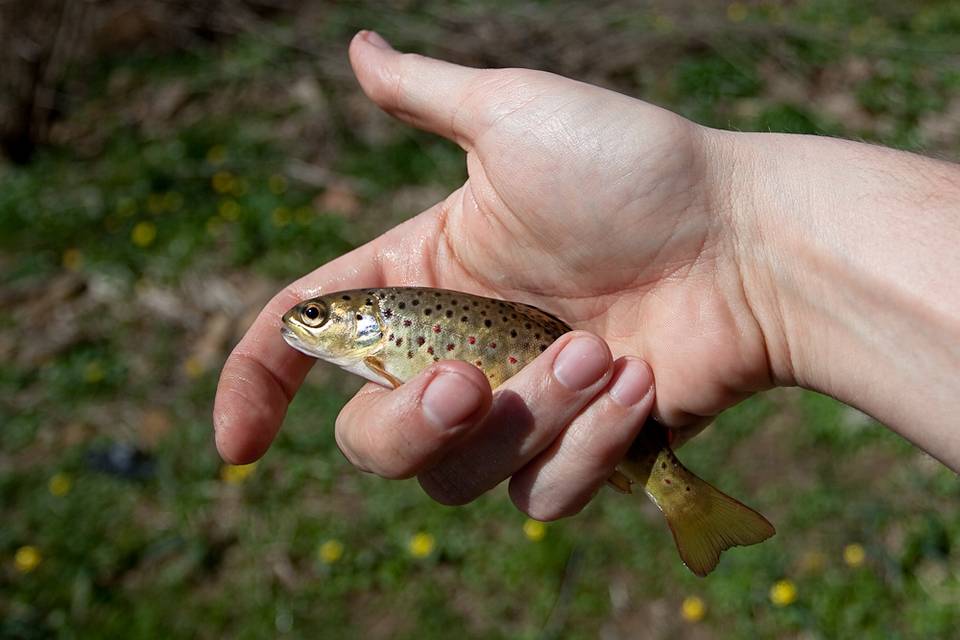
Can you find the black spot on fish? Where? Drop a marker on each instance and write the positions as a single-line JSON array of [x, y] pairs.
[[414, 302], [402, 305], [449, 313], [427, 312], [369, 302], [513, 333], [387, 313], [483, 313], [463, 318], [663, 465], [359, 317], [345, 297], [439, 306], [487, 323], [543, 348], [528, 326]]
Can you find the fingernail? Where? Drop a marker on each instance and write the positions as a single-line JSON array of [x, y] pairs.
[[450, 399], [582, 362], [377, 40], [631, 383]]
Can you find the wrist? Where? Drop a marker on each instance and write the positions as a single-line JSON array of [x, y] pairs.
[[847, 255]]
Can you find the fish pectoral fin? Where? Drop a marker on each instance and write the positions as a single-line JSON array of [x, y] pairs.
[[376, 365], [620, 482]]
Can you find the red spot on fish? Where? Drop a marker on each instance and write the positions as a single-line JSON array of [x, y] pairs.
[[472, 340], [512, 360], [667, 481], [479, 363], [406, 323], [436, 328], [450, 347], [430, 350], [493, 345], [421, 340]]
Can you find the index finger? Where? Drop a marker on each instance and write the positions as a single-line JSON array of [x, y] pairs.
[[262, 374]]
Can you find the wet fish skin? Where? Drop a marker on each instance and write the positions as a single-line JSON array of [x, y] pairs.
[[389, 335]]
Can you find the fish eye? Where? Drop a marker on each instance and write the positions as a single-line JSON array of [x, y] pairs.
[[313, 314]]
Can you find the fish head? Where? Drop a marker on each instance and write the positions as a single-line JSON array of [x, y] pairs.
[[342, 328]]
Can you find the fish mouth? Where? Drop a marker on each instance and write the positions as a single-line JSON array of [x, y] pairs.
[[294, 341]]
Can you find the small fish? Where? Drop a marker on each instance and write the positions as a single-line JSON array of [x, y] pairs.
[[389, 335]]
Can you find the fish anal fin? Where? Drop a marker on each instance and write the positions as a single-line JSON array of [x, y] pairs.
[[620, 482], [376, 365]]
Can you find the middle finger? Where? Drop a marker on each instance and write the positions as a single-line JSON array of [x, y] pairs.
[[529, 411]]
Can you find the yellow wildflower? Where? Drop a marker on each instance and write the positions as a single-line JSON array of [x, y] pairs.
[[236, 473], [93, 372], [813, 561], [240, 187], [193, 367], [172, 201], [304, 215], [60, 484], [277, 184], [854, 554], [229, 209], [216, 154], [214, 225], [72, 259], [222, 181], [281, 217], [693, 609], [27, 559], [783, 593], [662, 23], [143, 234], [155, 203], [736, 12], [330, 551], [534, 530], [421, 545]]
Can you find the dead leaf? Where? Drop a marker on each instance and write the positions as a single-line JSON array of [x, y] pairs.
[[154, 425]]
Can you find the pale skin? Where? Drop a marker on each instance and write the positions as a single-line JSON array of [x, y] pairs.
[[720, 263]]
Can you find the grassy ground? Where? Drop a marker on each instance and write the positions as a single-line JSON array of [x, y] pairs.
[[186, 187]]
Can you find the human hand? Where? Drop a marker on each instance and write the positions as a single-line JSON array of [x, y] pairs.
[[613, 214]]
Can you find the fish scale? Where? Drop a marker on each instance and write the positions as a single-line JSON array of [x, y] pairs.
[[424, 326], [389, 335]]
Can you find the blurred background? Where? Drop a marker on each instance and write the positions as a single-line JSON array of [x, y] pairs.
[[168, 165]]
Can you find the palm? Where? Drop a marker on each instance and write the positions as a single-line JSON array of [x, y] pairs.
[[624, 250], [587, 203]]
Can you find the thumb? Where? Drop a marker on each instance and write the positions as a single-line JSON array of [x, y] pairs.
[[430, 94]]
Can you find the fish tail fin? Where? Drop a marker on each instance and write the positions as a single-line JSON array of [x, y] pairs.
[[705, 522]]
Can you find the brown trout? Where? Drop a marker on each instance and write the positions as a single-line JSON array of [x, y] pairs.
[[389, 335]]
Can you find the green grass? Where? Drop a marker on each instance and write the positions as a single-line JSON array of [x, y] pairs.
[[205, 209]]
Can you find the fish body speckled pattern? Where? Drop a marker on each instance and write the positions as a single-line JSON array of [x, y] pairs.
[[388, 335]]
